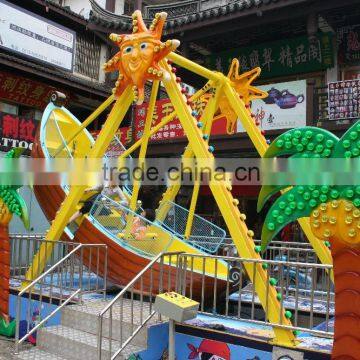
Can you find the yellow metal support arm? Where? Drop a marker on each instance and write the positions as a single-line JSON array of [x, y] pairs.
[[207, 120], [142, 154], [232, 217], [86, 123], [261, 146], [68, 207]]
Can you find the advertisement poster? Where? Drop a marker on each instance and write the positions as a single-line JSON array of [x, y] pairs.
[[36, 37], [344, 99], [191, 347], [284, 108], [17, 131]]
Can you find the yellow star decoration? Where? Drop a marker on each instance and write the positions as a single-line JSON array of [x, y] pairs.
[[139, 55], [242, 83]]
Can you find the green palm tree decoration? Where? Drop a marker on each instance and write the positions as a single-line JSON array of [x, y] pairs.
[[334, 213], [10, 203]]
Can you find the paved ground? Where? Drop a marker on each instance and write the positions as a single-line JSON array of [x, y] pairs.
[[7, 348]]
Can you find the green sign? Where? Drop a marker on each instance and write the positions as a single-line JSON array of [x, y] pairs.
[[279, 58]]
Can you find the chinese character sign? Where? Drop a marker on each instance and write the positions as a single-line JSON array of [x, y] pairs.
[[279, 58], [344, 100], [163, 108], [36, 37], [173, 129], [348, 39], [284, 108], [17, 131], [23, 91]]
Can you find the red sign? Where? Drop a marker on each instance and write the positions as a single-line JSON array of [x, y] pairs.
[[171, 130], [23, 91], [17, 131], [124, 134]]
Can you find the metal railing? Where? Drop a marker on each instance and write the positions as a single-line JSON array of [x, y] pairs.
[[304, 289], [124, 317], [204, 235], [289, 251], [24, 247], [66, 280]]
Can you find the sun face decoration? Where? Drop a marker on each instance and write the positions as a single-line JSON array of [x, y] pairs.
[[242, 83], [139, 55]]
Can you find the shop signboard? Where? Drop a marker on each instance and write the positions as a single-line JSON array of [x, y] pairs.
[[17, 131], [36, 37], [23, 91], [173, 129], [344, 99], [280, 58], [123, 134], [284, 108], [348, 39]]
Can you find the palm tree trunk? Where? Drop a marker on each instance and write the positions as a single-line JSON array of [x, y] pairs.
[[4, 271], [347, 302]]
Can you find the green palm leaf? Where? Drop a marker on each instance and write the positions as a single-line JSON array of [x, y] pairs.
[[349, 144], [294, 204], [300, 201], [10, 194], [309, 140]]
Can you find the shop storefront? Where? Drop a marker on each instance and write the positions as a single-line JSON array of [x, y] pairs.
[[21, 104], [286, 66]]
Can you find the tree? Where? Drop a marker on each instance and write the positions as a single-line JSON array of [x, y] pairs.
[[10, 203], [334, 217]]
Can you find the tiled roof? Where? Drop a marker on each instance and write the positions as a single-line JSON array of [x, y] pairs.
[[55, 74], [179, 14], [107, 19]]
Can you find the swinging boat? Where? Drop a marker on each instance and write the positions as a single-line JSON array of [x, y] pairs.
[[126, 257]]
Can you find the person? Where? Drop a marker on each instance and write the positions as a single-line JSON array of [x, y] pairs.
[[138, 229], [109, 189]]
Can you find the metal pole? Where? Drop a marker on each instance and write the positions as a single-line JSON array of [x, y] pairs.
[[171, 339]]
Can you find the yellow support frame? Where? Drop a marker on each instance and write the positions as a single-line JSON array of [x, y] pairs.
[[261, 146], [232, 216], [86, 123], [256, 137], [207, 120], [221, 190], [68, 207], [142, 153]]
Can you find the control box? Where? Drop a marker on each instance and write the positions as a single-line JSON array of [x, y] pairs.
[[176, 307]]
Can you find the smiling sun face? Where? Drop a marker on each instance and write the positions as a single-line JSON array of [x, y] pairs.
[[139, 55]]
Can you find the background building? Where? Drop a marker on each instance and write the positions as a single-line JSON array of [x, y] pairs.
[[302, 47]]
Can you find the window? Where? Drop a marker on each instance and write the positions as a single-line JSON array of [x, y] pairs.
[[129, 7], [9, 108], [87, 57]]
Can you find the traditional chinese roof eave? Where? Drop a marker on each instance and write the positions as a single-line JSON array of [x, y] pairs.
[[104, 20], [113, 22], [54, 74]]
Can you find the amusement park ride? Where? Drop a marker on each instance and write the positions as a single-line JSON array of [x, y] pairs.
[[142, 58]]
